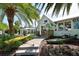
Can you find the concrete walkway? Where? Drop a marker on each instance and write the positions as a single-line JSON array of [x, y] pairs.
[[30, 48]]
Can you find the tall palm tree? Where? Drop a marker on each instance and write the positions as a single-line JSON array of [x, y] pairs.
[[24, 11], [57, 7]]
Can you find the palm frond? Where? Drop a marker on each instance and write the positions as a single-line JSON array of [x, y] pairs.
[[36, 4], [64, 9], [31, 12], [18, 18], [2, 5], [68, 7], [49, 5], [3, 26], [42, 6], [24, 18], [57, 8], [78, 5], [2, 15]]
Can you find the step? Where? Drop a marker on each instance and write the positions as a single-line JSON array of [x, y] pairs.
[[27, 52]]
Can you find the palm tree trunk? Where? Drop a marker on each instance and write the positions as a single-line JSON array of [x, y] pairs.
[[10, 22], [10, 11]]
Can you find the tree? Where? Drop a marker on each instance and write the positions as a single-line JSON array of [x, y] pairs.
[[57, 7], [24, 11]]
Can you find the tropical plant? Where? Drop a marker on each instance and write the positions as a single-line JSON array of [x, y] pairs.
[[9, 43], [57, 7], [21, 38], [3, 26], [24, 11], [4, 38], [17, 25]]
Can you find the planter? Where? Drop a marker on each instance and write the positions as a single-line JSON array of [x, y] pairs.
[[53, 41]]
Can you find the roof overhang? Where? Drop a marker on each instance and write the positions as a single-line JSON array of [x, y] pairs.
[[66, 18]]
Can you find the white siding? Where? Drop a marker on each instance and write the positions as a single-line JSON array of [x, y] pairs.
[[71, 32]]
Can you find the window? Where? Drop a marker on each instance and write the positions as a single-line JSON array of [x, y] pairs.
[[45, 20], [60, 26], [76, 23], [67, 25]]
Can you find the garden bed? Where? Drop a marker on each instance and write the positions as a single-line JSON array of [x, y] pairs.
[[8, 47], [7, 53], [63, 41], [70, 49]]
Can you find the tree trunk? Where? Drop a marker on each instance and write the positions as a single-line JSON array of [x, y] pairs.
[[11, 28], [10, 11]]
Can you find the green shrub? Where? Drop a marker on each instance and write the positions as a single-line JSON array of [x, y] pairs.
[[4, 38], [56, 42], [22, 38], [2, 44], [12, 41], [61, 42], [8, 43], [29, 37], [10, 47]]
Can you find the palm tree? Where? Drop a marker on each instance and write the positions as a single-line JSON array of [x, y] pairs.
[[24, 11], [57, 7]]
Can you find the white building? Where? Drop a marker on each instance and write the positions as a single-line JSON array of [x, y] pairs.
[[45, 24], [68, 26]]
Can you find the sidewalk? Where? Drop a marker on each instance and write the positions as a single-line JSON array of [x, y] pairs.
[[30, 48]]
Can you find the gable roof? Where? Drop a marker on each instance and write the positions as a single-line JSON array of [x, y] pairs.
[[46, 17]]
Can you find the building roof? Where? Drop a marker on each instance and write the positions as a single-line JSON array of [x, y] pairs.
[[47, 17], [62, 18], [66, 18]]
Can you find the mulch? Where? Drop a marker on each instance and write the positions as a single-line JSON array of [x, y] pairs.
[[70, 49]]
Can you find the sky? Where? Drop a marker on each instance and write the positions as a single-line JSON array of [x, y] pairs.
[[5, 19], [74, 11], [15, 19]]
